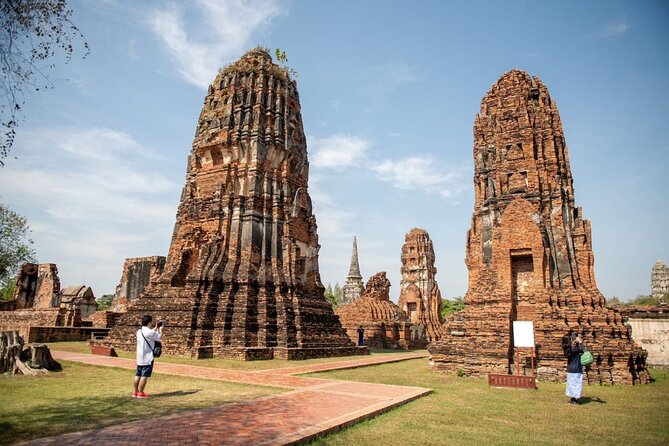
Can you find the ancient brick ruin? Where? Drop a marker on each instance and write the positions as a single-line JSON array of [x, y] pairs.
[[40, 310], [137, 274], [79, 297], [37, 286], [385, 324], [354, 287], [529, 250], [420, 297], [241, 278], [659, 280]]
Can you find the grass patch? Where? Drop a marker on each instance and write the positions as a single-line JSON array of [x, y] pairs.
[[465, 411], [87, 397], [232, 364]]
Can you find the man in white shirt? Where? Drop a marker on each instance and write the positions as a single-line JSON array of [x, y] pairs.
[[147, 336]]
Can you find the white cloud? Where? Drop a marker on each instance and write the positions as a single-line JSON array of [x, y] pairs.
[[611, 30], [91, 199], [337, 151], [222, 31], [424, 173]]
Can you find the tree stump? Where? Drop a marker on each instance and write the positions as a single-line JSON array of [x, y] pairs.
[[11, 346], [35, 359], [40, 358]]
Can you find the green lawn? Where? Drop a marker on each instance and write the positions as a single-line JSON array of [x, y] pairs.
[[86, 397], [465, 411], [233, 364]]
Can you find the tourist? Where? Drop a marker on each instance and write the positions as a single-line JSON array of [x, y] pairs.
[[147, 336], [361, 334], [572, 344]]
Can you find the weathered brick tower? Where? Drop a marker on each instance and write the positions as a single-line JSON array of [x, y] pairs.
[[241, 278], [529, 250], [420, 297]]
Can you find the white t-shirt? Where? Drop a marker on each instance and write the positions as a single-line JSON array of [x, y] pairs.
[[144, 348]]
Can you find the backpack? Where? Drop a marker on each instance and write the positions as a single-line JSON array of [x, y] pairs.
[[157, 346], [587, 358]]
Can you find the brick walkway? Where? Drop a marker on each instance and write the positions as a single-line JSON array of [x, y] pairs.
[[314, 407]]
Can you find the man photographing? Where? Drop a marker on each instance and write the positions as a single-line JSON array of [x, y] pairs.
[[147, 336]]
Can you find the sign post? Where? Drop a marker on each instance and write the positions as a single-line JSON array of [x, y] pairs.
[[523, 339]]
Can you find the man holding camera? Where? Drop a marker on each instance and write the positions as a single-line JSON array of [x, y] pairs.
[[147, 336]]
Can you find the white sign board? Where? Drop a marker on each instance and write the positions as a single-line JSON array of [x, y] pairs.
[[523, 333]]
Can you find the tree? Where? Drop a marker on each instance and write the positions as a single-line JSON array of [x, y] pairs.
[[281, 58], [7, 290], [333, 296], [613, 302], [640, 299], [15, 248], [338, 295], [32, 32], [104, 302], [449, 306]]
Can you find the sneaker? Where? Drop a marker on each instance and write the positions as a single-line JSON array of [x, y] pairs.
[[135, 394], [142, 395], [573, 401]]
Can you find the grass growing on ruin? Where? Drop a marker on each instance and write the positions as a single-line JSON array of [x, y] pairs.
[[232, 364], [87, 397], [465, 411]]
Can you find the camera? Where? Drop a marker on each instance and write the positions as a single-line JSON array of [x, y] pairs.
[[159, 324]]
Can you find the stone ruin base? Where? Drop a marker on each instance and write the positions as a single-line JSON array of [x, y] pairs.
[[622, 370], [389, 334], [318, 352], [264, 353]]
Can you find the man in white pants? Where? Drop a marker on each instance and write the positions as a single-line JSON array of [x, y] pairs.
[[147, 336]]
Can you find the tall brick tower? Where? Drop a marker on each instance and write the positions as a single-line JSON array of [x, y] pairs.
[[420, 297], [529, 250], [241, 278]]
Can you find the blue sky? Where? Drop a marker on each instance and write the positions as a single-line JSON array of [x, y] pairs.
[[389, 92]]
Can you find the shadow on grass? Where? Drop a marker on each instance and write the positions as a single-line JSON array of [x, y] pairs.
[[588, 400], [175, 393]]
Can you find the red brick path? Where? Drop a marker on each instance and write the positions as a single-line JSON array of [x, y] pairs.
[[315, 406]]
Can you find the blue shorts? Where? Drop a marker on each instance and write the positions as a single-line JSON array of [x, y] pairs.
[[144, 370]]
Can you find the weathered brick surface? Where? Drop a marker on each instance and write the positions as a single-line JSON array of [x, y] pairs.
[[137, 274], [21, 320], [385, 324], [420, 297], [105, 319], [81, 297], [529, 251], [37, 286], [61, 334], [39, 302], [241, 277], [354, 287]]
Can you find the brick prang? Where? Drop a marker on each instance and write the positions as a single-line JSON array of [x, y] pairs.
[[241, 279], [529, 250]]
